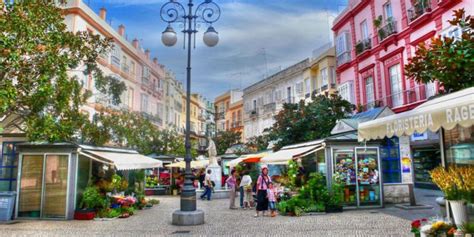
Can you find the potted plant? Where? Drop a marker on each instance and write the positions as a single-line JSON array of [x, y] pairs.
[[174, 189], [457, 186], [91, 201]]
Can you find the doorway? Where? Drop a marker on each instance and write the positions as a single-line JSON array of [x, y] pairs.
[[43, 186]]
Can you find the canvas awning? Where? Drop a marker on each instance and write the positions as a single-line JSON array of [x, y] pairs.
[[251, 158], [286, 154], [195, 164], [123, 161], [445, 112]]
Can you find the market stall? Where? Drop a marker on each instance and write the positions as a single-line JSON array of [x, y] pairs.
[[52, 178]]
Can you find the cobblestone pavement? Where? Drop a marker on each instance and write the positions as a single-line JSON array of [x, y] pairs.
[[220, 221]]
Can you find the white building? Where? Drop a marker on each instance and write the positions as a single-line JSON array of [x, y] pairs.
[[264, 99]]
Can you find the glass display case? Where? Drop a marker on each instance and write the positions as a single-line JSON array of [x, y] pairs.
[[368, 176], [359, 170], [345, 170]]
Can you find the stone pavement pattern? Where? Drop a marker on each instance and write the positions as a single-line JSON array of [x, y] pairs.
[[220, 221]]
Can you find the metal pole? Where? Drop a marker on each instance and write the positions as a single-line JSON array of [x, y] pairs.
[[188, 194]]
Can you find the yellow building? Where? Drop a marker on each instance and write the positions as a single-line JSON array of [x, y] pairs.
[[229, 109], [321, 75]]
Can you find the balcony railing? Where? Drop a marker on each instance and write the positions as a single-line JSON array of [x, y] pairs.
[[363, 45], [388, 29], [269, 107], [398, 99], [237, 124], [343, 58], [419, 8], [152, 118]]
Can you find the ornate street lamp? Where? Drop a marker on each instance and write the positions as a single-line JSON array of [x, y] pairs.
[[206, 13]]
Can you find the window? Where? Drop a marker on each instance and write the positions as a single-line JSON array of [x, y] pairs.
[[307, 85], [342, 43], [459, 146], [254, 105], [324, 77], [332, 77], [269, 97], [116, 55], [132, 67], [144, 103], [369, 92], [389, 153], [430, 89], [452, 32], [345, 90], [396, 86], [239, 115], [364, 28], [125, 67], [278, 96], [146, 75], [387, 10], [8, 167], [288, 95], [299, 88]]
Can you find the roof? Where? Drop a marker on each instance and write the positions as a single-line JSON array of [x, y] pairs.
[[352, 123]]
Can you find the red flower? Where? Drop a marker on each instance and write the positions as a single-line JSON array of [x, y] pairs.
[[416, 224]]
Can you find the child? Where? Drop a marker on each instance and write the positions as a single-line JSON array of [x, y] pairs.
[[271, 195], [248, 200]]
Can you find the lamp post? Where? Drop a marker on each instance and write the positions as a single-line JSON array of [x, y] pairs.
[[206, 13]]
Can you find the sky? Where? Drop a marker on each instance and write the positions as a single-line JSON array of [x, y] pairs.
[[257, 38]]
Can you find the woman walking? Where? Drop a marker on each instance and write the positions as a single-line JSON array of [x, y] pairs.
[[263, 182], [245, 190], [232, 185]]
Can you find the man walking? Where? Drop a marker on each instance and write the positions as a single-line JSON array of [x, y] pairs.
[[207, 186]]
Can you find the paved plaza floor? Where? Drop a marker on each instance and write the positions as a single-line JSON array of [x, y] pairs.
[[220, 221]]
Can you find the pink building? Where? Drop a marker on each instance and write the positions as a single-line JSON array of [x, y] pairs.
[[376, 38]]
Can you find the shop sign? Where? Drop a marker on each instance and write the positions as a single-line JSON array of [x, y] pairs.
[[419, 136], [405, 157]]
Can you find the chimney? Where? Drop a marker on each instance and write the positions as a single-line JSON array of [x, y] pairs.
[[102, 13], [121, 30], [155, 61], [147, 53], [135, 43]]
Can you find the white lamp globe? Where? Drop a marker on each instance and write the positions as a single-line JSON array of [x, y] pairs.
[[211, 37], [169, 37]]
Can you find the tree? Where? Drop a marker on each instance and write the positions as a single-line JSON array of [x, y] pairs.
[[37, 57], [305, 122], [447, 60], [258, 143], [226, 139]]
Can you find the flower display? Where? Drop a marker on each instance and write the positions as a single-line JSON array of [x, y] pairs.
[[457, 183]]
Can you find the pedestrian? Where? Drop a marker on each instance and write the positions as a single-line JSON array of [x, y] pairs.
[[271, 195], [232, 185], [207, 186], [262, 186], [202, 176], [245, 185]]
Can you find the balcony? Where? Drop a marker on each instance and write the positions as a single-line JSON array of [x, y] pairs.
[[220, 115], [404, 100], [146, 80], [153, 118], [253, 113], [363, 46], [237, 125], [387, 30], [271, 107], [125, 68], [418, 9], [343, 58]]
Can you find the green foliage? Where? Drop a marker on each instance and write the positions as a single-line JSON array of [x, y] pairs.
[[468, 228], [336, 194], [258, 143], [449, 61], [306, 122], [38, 57], [92, 199], [226, 139], [154, 201], [292, 174]]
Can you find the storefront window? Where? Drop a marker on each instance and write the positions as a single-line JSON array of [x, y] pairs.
[[8, 167], [390, 155], [459, 146]]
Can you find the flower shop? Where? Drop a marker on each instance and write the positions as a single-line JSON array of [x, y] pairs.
[[70, 181], [452, 116]]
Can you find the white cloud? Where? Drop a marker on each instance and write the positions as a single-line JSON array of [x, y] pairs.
[[245, 29]]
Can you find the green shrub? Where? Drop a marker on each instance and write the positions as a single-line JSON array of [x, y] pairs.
[[154, 201], [92, 199]]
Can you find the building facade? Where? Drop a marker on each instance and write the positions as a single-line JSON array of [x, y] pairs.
[[127, 62], [173, 102], [264, 99], [321, 75], [375, 39], [223, 104]]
